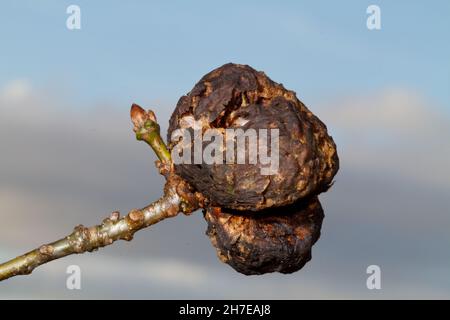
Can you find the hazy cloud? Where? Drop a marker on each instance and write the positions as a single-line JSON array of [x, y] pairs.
[[395, 131], [16, 90], [62, 165]]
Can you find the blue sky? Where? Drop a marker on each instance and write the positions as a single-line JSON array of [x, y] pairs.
[[384, 96], [143, 50]]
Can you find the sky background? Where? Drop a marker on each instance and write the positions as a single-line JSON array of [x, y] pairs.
[[68, 154]]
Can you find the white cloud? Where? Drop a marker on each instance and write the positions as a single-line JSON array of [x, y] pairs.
[[395, 131], [16, 90], [398, 111], [165, 271]]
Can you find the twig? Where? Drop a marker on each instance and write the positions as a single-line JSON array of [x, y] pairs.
[[147, 129], [84, 239], [178, 197]]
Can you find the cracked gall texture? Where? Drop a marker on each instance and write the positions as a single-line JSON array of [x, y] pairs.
[[237, 96], [276, 240]]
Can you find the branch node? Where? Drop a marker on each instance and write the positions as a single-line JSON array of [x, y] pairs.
[[115, 216], [136, 216], [46, 250]]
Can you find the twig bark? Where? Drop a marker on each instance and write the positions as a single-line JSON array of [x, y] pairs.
[[178, 197], [84, 239]]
